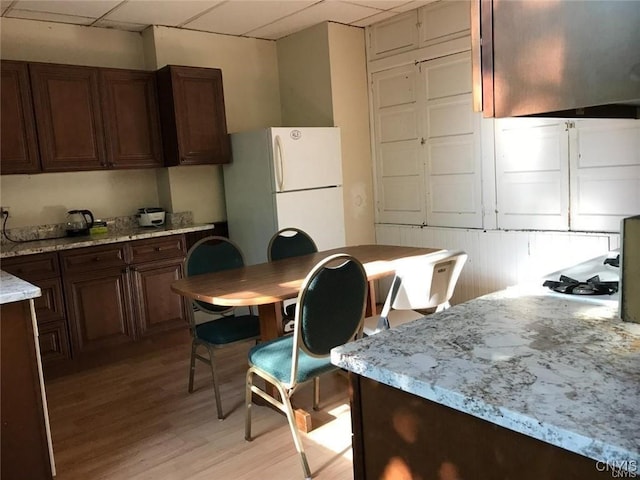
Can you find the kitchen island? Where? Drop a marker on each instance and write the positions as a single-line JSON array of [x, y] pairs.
[[516, 384], [25, 437]]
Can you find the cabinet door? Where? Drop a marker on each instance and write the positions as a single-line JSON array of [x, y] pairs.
[[68, 117], [158, 309], [18, 147], [131, 118], [193, 117], [604, 160], [399, 159], [99, 309], [54, 343], [532, 174], [452, 149], [443, 21], [50, 305], [396, 35]]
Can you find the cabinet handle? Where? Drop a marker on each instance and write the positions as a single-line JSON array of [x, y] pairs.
[[96, 259], [158, 249]]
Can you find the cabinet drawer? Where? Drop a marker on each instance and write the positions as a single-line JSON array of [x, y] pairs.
[[92, 258], [33, 267], [158, 248], [54, 341], [50, 305]]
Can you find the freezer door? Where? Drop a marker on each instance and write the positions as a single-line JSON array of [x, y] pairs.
[[306, 158], [318, 212]]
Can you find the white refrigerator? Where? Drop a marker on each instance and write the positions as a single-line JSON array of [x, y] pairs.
[[284, 177]]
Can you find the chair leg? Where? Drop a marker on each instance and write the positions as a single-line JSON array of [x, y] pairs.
[[192, 367], [286, 403], [247, 398], [316, 393], [216, 390]]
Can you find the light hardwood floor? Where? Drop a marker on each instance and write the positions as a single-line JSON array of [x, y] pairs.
[[134, 420]]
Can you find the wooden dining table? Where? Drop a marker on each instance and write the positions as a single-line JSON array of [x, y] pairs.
[[266, 285]]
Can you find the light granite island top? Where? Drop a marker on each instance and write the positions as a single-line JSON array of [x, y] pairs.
[[14, 289], [559, 370]]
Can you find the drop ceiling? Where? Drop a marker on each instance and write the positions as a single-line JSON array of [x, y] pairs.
[[265, 19]]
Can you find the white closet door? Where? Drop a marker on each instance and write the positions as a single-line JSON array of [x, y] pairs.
[[453, 154], [605, 173], [398, 153], [532, 174]]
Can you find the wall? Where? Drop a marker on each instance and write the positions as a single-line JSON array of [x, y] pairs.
[[498, 258], [323, 82], [250, 74], [351, 114], [45, 198], [305, 78], [251, 96]]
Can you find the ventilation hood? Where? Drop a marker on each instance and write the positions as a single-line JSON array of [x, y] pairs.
[[557, 58]]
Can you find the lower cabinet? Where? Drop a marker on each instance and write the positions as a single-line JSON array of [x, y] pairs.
[[96, 299], [399, 435], [158, 309], [119, 293], [43, 270], [99, 308], [157, 263]]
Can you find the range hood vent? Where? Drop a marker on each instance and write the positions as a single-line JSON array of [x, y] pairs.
[[557, 58]]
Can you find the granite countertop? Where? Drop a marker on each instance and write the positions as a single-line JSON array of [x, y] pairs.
[[557, 369], [120, 235], [14, 289]]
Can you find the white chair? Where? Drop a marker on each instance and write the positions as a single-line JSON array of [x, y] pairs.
[[420, 283]]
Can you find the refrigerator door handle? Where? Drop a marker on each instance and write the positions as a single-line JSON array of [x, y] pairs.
[[279, 154]]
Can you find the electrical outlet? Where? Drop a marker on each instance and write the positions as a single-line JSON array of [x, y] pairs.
[[4, 210]]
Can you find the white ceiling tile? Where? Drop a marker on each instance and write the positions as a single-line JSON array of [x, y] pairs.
[[270, 19], [334, 11], [379, 4], [75, 8], [240, 17], [4, 4], [160, 12], [412, 5], [48, 17], [365, 22], [129, 27]]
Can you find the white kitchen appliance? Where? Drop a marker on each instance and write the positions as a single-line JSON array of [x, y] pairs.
[[151, 217], [284, 177]]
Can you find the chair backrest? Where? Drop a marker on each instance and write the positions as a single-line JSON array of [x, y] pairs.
[[330, 307], [212, 254], [290, 242], [426, 281]]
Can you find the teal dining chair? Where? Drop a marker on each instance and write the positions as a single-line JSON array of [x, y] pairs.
[[286, 243], [214, 254], [329, 313]]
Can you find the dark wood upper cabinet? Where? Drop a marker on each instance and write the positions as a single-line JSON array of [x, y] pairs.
[[193, 117], [557, 59], [68, 116], [18, 144], [131, 118]]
